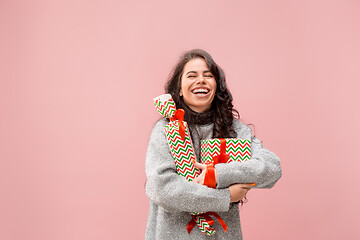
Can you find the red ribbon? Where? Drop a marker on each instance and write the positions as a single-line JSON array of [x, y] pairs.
[[222, 157], [209, 178], [208, 219], [191, 224], [179, 115]]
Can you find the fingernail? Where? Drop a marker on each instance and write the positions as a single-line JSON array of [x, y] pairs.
[[193, 161], [253, 184]]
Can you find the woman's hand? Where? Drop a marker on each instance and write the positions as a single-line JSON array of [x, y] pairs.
[[238, 191], [201, 177]]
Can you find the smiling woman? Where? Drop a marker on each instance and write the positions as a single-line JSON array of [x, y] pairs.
[[197, 85], [221, 112]]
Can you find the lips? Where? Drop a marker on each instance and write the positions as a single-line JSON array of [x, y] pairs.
[[201, 90]]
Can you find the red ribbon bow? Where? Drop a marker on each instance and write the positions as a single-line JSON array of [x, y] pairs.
[[208, 219], [209, 178], [179, 115]]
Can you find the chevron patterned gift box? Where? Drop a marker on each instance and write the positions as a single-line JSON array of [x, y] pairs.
[[182, 151], [165, 105], [178, 137], [181, 148], [237, 149]]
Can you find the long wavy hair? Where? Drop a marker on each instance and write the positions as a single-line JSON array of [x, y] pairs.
[[222, 106]]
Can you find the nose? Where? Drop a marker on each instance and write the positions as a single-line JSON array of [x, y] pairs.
[[201, 79]]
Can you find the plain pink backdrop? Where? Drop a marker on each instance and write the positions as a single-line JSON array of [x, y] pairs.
[[77, 80]]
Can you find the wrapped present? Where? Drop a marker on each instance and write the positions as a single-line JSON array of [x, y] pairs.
[[234, 149], [178, 138], [222, 150]]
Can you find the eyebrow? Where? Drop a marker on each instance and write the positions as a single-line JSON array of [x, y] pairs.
[[206, 71]]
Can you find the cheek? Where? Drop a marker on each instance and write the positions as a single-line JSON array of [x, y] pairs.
[[214, 85], [184, 86]]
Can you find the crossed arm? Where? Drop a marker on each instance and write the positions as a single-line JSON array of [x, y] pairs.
[[174, 193]]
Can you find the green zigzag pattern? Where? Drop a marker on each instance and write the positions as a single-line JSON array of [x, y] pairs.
[[166, 110], [181, 151], [204, 226], [211, 148]]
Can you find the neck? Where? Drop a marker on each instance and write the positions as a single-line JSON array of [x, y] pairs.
[[193, 117]]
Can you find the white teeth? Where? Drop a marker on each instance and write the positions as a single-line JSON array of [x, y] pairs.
[[201, 90]]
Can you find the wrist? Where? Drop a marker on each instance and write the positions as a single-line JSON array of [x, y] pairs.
[[231, 194]]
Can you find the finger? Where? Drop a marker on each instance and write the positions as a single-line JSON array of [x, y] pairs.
[[199, 165], [247, 185], [199, 179]]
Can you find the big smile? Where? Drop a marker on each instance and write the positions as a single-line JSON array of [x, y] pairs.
[[203, 91]]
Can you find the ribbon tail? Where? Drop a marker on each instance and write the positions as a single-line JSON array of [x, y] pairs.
[[182, 130], [191, 225], [221, 221], [179, 115]]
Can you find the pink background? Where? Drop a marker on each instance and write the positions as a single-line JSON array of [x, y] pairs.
[[77, 80]]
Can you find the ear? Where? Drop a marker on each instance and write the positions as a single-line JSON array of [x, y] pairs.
[[180, 93]]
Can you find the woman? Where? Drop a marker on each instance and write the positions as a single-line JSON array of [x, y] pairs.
[[197, 85]]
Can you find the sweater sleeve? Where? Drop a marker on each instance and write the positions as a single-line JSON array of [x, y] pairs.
[[263, 168], [171, 191]]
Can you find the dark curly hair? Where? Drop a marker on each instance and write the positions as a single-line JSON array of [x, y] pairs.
[[222, 107]]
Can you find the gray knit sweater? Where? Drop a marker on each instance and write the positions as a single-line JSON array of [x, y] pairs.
[[172, 197]]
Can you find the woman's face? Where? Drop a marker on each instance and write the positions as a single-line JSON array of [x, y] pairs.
[[198, 85]]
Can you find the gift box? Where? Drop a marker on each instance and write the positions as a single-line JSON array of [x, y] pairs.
[[178, 137], [235, 149], [165, 105]]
